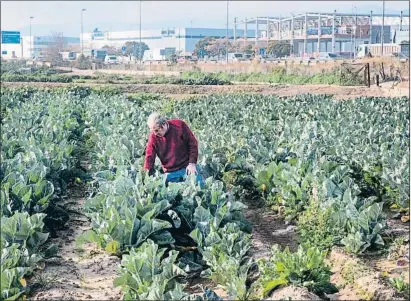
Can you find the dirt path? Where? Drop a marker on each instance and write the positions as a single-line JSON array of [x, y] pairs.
[[76, 275], [338, 92]]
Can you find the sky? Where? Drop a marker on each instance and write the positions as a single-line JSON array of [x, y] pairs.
[[65, 16]]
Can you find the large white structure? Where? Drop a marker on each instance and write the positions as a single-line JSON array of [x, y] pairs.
[[314, 32], [15, 46], [178, 39]]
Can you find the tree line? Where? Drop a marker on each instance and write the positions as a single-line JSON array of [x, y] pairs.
[[217, 47]]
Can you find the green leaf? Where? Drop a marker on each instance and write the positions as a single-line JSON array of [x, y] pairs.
[[378, 240], [347, 197], [120, 281], [269, 286], [197, 237], [88, 236], [15, 296], [263, 178], [202, 215], [51, 251], [113, 247], [352, 212], [162, 237], [270, 171], [148, 227], [37, 239]]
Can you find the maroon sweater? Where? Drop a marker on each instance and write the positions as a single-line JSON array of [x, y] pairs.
[[176, 149]]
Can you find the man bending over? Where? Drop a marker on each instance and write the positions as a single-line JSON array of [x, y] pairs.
[[175, 145]]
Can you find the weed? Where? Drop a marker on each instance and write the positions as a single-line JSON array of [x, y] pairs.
[[45, 281], [399, 284]]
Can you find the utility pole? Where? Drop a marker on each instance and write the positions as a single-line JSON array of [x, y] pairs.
[[179, 38], [401, 21], [355, 34], [352, 29], [292, 34], [333, 32], [31, 40], [82, 38], [268, 34], [319, 35], [21, 44], [382, 28], [226, 45], [140, 46], [370, 41], [235, 30]]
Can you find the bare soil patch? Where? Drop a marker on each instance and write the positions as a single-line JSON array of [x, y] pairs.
[[356, 280], [269, 229], [76, 275]]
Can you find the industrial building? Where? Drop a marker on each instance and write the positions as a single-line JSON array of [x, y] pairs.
[[308, 33], [14, 46], [172, 39], [339, 32]]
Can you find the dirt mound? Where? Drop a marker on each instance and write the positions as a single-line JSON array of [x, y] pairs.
[[293, 293], [356, 280]]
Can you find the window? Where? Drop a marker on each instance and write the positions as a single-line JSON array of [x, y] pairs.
[[4, 52]]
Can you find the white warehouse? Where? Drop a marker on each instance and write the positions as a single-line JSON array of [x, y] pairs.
[[178, 39], [14, 46]]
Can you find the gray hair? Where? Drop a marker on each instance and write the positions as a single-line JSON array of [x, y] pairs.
[[156, 118]]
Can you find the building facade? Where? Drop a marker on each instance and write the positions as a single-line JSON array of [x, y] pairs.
[[11, 44], [177, 39], [15, 46]]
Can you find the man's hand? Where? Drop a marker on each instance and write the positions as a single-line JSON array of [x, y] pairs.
[[151, 171], [191, 169]]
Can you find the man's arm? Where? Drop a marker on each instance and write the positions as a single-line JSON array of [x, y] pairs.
[[192, 144], [150, 155]]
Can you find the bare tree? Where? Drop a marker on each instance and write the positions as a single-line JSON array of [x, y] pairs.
[[54, 47], [112, 50]]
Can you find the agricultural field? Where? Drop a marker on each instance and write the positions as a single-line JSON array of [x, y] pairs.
[[306, 197]]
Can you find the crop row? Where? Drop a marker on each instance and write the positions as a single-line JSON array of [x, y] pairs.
[[37, 161]]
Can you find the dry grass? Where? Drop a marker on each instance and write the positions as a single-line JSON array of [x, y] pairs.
[[256, 67]]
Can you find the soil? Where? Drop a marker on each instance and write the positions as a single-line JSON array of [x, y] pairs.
[[356, 280], [395, 262], [76, 275], [269, 229], [292, 293], [282, 90]]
